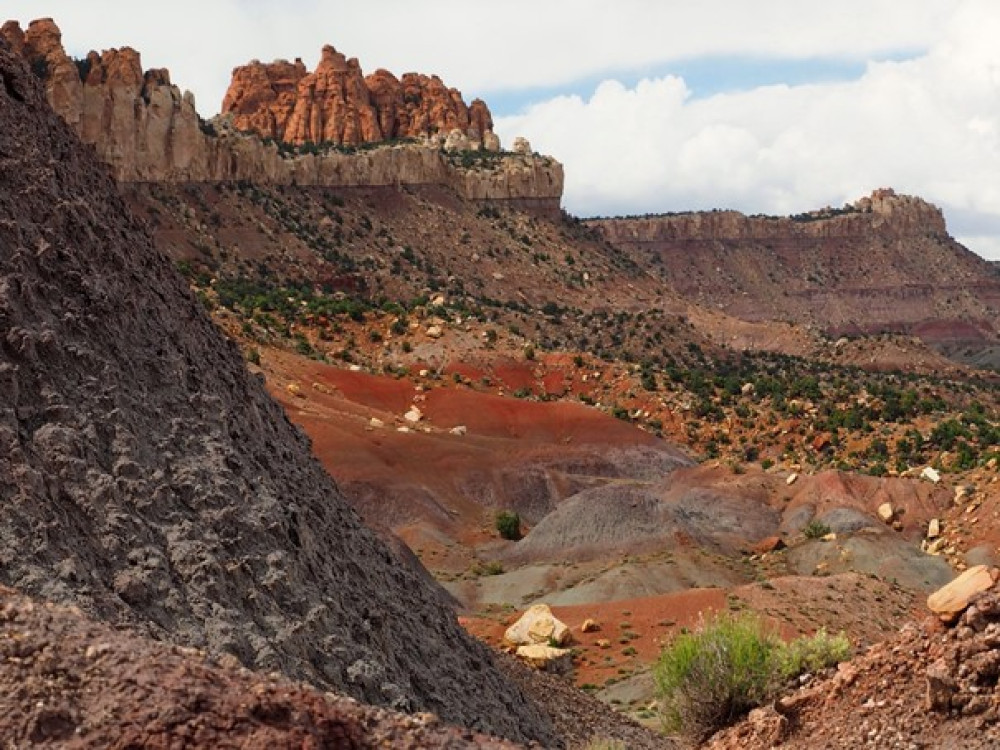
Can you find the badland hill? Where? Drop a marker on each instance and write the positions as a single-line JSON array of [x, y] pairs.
[[147, 477]]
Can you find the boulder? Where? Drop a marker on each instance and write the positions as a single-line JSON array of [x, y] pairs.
[[414, 415], [538, 626], [886, 512], [547, 658], [930, 474], [951, 600], [934, 528], [792, 479], [769, 544], [590, 626]]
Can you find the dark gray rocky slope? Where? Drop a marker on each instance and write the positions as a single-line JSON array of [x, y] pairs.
[[148, 478]]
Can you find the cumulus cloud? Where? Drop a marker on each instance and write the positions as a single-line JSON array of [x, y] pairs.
[[928, 126], [482, 47]]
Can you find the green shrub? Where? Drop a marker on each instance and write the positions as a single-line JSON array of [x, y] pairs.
[[509, 525], [813, 653], [709, 678], [815, 530]]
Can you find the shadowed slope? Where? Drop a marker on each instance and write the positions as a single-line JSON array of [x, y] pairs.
[[147, 477]]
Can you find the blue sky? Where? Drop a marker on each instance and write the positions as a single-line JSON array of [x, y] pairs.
[[774, 106], [704, 77]]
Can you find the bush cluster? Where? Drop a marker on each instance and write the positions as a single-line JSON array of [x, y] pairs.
[[509, 525], [710, 677]]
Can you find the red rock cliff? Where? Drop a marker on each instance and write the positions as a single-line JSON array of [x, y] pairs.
[[337, 104], [147, 130]]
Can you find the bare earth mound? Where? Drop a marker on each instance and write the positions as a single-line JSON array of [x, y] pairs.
[[145, 476], [66, 681]]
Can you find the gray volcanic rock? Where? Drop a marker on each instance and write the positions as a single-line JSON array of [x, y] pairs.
[[147, 477]]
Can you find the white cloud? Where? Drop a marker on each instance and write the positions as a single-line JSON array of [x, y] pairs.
[[483, 47], [929, 126]]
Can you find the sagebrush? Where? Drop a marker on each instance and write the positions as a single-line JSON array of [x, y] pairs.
[[712, 676]]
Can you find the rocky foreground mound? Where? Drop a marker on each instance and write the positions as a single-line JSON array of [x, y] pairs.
[[67, 681], [146, 477]]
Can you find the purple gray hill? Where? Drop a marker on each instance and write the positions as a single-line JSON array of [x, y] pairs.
[[147, 477]]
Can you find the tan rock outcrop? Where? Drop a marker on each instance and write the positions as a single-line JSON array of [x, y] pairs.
[[538, 626], [147, 130]]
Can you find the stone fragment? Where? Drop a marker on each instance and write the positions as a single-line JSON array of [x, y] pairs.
[[547, 658], [940, 687], [414, 415], [459, 430], [950, 600], [769, 544], [435, 332], [792, 479], [930, 474], [934, 528], [590, 626]]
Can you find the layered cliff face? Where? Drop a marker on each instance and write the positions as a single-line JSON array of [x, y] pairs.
[[884, 263], [337, 104], [147, 477], [148, 131]]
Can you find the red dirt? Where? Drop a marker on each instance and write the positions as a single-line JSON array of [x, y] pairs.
[[642, 625]]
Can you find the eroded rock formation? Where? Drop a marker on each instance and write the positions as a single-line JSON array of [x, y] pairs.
[[337, 104], [147, 130]]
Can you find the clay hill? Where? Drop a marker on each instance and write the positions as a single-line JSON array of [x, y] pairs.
[[149, 479], [336, 103], [883, 263]]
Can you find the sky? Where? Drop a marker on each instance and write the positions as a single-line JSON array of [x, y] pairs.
[[764, 106]]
